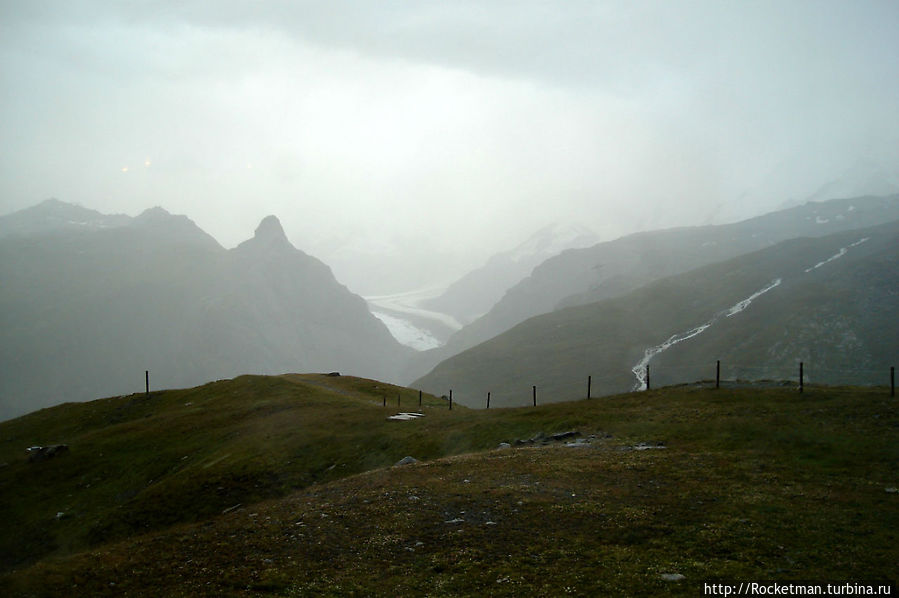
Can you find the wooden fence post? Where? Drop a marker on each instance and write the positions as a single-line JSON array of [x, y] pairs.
[[589, 384], [419, 399], [397, 399], [488, 400], [892, 381], [451, 399], [147, 381], [534, 388], [718, 374], [801, 377], [384, 400], [647, 376]]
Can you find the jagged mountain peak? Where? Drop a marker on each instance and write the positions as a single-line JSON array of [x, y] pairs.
[[270, 228], [161, 295], [268, 237]]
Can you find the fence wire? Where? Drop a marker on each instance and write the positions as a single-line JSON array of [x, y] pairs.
[[698, 375]]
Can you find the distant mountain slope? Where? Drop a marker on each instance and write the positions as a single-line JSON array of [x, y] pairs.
[[614, 268], [288, 306], [829, 301], [55, 215], [84, 312], [475, 293]]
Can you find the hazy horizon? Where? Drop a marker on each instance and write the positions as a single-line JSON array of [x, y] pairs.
[[404, 143]]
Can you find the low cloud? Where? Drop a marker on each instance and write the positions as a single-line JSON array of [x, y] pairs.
[[420, 138]]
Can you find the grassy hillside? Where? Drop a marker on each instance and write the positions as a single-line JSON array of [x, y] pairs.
[[136, 464], [739, 484], [837, 316], [615, 268]]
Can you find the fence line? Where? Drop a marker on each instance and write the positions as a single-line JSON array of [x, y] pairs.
[[797, 374]]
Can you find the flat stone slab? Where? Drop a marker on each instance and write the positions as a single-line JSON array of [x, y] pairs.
[[404, 416]]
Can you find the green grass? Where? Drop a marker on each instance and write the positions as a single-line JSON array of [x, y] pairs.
[[138, 463], [752, 484]]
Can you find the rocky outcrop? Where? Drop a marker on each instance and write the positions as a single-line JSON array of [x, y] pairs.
[[42, 453]]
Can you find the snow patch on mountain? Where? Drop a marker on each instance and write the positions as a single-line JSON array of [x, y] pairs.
[[843, 251], [552, 240]]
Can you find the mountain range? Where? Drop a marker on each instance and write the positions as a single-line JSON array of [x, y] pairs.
[[425, 319], [615, 268], [91, 301], [829, 302], [283, 485], [88, 303], [54, 215], [475, 293]]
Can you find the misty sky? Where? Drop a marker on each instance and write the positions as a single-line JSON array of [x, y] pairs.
[[403, 142]]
